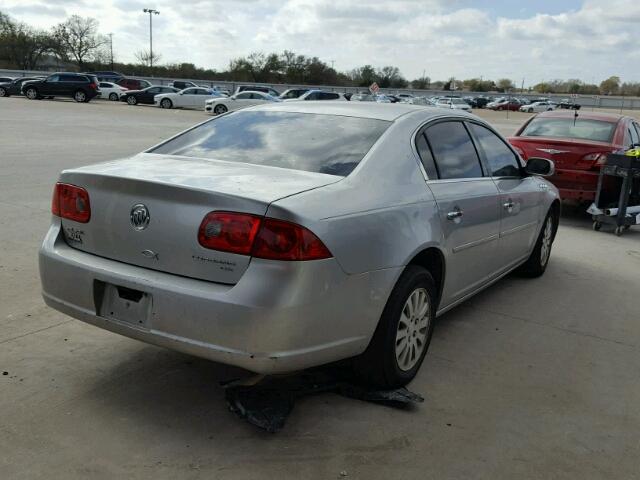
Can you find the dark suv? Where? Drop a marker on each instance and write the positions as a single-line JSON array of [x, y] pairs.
[[80, 87]]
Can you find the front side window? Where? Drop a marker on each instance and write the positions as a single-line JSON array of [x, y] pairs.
[[330, 144], [153, 90], [453, 151], [53, 78], [243, 96], [501, 159]]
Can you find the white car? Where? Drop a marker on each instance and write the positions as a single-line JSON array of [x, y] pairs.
[[453, 103], [319, 95], [194, 97], [111, 91], [538, 107], [218, 106]]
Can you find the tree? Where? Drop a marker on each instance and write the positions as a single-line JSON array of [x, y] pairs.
[[145, 58], [363, 76], [504, 84], [610, 86], [22, 46], [78, 38], [422, 83], [390, 77]]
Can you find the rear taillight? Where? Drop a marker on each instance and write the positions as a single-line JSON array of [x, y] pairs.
[[278, 240], [71, 202], [267, 238], [229, 232], [593, 159]]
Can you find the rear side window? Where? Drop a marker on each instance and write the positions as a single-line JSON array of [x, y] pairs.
[[578, 128], [426, 157], [330, 144], [329, 96], [501, 159], [453, 151]]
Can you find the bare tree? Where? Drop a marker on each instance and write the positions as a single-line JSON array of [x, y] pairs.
[[79, 39], [145, 58], [22, 46]]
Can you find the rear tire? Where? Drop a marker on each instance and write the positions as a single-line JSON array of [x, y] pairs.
[[3, 92], [166, 103], [31, 93], [537, 262], [79, 96], [530, 110], [403, 334]]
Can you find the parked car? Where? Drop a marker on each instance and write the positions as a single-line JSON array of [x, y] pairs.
[[15, 87], [420, 101], [537, 107], [133, 83], [232, 241], [6, 79], [107, 76], [362, 97], [318, 95], [146, 95], [568, 104], [258, 88], [194, 97], [453, 103], [79, 86], [480, 102], [512, 105], [111, 91], [182, 84], [292, 93], [218, 106], [578, 144], [404, 96]]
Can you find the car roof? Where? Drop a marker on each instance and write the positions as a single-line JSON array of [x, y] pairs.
[[602, 116], [372, 110]]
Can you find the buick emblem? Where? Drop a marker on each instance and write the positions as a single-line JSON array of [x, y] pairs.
[[140, 216]]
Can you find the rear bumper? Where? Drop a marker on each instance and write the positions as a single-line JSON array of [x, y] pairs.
[[280, 317], [580, 185]]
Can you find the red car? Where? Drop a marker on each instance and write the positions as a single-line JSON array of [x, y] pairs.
[[133, 83], [578, 145], [512, 105]]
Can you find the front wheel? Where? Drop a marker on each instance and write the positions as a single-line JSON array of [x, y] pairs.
[[31, 93], [131, 100], [220, 109], [166, 103], [3, 92], [113, 97], [537, 262], [402, 338], [530, 110]]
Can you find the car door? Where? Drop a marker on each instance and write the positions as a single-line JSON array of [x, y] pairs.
[[520, 196], [147, 96], [51, 86], [189, 97], [467, 204], [68, 84]]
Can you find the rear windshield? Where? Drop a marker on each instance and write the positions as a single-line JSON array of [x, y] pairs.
[[328, 144], [581, 129]]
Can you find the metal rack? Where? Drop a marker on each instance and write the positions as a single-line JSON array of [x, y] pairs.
[[628, 169]]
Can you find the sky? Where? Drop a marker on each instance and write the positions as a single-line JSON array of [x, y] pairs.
[[521, 40]]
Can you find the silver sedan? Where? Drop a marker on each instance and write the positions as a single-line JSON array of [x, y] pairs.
[[290, 235]]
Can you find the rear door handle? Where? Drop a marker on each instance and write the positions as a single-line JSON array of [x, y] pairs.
[[457, 213]]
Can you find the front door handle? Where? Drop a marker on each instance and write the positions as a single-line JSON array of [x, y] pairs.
[[457, 213], [508, 206]]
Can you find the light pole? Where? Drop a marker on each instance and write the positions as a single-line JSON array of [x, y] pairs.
[[111, 47], [151, 12]]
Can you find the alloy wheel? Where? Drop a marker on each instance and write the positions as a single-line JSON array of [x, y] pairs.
[[413, 327], [31, 94], [80, 96], [545, 248]]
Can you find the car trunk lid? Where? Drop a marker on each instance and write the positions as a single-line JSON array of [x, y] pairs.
[[177, 193], [566, 153]]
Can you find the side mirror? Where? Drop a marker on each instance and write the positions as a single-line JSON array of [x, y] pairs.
[[541, 167]]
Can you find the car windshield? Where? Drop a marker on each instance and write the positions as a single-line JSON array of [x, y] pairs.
[[580, 129], [328, 144]]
